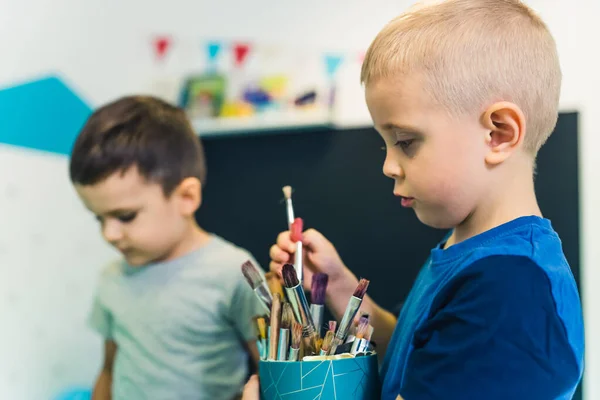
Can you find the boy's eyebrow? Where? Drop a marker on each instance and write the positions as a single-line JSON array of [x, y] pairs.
[[119, 211], [400, 128]]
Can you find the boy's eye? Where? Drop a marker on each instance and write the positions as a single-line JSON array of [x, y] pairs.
[[127, 217], [404, 144]]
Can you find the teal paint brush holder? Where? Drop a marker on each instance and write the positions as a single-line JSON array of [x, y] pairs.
[[342, 379]]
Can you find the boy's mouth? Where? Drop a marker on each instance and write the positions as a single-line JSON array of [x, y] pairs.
[[124, 250], [407, 201]]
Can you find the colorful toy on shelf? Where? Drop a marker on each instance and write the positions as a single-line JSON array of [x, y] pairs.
[[259, 98], [236, 109], [275, 85], [253, 88], [203, 96], [306, 99]]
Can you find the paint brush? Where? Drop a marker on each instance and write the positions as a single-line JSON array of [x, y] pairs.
[[370, 333], [260, 348], [275, 326], [259, 344], [360, 343], [299, 304], [317, 299], [287, 317], [369, 336], [287, 193], [274, 284], [327, 343], [258, 284], [351, 334], [293, 225], [262, 333], [296, 237], [319, 344], [296, 340], [332, 325], [352, 331], [351, 310]]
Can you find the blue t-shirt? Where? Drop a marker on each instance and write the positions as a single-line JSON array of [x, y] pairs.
[[497, 316]]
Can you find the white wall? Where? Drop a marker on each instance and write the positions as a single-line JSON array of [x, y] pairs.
[[105, 52], [50, 254]]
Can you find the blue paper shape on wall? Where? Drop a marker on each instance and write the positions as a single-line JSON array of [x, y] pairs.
[[43, 115]]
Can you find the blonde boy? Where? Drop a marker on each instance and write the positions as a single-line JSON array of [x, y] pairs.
[[464, 93]]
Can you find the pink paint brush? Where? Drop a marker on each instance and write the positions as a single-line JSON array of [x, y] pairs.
[[332, 325], [296, 237]]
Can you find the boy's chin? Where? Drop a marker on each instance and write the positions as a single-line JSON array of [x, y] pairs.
[[136, 260], [434, 220]]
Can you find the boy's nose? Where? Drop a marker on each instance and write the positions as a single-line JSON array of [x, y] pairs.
[[112, 232], [392, 169]]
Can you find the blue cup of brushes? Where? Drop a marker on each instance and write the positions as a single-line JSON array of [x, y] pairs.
[[337, 367], [343, 379], [351, 373]]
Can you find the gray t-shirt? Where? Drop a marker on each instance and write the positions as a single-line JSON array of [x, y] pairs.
[[180, 326]]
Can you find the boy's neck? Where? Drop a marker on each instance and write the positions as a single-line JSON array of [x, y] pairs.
[[512, 199], [193, 239]]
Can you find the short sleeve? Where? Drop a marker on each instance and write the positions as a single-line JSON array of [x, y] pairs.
[[243, 307], [100, 319], [493, 333]]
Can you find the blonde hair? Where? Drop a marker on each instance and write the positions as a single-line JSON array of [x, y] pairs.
[[471, 53]]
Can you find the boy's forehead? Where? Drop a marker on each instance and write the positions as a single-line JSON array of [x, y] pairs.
[[120, 190], [395, 102]]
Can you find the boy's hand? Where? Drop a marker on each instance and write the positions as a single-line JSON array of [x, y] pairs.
[[251, 390], [319, 256]]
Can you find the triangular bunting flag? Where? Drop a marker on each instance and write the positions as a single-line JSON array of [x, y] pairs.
[[213, 51], [241, 53], [161, 46], [332, 63], [361, 56]]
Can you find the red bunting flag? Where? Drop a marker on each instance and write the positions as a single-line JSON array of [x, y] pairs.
[[161, 46], [241, 52]]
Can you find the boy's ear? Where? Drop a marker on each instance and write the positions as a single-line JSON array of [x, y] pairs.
[[505, 125], [189, 196]]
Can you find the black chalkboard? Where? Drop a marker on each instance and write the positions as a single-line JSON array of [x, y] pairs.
[[341, 191]]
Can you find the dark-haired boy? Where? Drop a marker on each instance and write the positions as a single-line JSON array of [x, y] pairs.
[[175, 311]]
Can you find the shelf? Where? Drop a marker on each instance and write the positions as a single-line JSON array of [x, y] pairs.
[[210, 127]]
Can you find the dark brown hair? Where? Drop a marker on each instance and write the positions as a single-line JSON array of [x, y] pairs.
[[140, 131]]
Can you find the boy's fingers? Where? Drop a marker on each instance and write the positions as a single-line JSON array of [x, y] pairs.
[[276, 267], [251, 390], [278, 255], [312, 238], [285, 242]]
